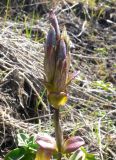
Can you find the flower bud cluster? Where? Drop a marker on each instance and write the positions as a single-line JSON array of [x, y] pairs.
[[57, 63]]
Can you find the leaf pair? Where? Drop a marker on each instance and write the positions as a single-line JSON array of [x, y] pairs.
[[47, 146]]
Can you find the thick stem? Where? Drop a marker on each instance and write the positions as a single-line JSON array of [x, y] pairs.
[[58, 132]]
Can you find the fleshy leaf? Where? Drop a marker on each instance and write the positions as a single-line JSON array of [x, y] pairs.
[[43, 154], [46, 142], [72, 144]]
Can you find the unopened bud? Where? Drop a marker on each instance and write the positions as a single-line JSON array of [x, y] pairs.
[[51, 37], [62, 50], [54, 22]]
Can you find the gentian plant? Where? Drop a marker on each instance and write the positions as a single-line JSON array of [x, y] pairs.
[[56, 79]]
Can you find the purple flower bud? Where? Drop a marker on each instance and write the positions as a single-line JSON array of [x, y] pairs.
[[62, 50], [54, 22], [51, 37], [49, 60]]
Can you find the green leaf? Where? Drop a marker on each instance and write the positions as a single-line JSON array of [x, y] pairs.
[[27, 149], [16, 154], [20, 154], [25, 141], [82, 155], [29, 155], [74, 156], [33, 147], [31, 143], [88, 156], [22, 139]]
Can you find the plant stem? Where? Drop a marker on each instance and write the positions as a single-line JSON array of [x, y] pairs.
[[58, 132]]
